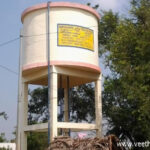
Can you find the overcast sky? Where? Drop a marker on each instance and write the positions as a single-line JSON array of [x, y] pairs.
[[10, 25]]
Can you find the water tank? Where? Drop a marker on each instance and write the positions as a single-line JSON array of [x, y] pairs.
[[73, 38]]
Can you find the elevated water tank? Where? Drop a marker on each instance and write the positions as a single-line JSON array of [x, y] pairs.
[[73, 37], [73, 41]]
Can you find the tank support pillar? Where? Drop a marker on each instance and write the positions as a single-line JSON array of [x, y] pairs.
[[66, 126], [98, 107], [53, 105], [22, 116]]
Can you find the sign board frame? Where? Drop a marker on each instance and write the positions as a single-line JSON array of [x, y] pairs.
[[75, 26]]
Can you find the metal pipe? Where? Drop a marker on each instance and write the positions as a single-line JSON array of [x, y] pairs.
[[61, 111], [48, 53], [68, 83]]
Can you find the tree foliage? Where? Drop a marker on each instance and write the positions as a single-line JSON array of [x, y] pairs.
[[2, 135], [2, 138], [79, 98], [38, 105], [126, 48], [37, 113], [82, 103], [3, 114], [38, 110], [37, 141]]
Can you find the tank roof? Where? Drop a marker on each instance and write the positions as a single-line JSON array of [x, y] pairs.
[[59, 4]]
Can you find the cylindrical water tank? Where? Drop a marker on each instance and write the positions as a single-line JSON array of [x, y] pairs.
[[73, 36]]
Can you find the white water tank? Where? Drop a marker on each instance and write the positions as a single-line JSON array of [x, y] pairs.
[[73, 37]]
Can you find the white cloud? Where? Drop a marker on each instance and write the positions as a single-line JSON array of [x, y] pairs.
[[107, 4], [116, 5]]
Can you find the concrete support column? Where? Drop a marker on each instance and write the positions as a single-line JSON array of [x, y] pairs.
[[98, 107], [24, 116], [18, 136], [53, 104], [18, 129]]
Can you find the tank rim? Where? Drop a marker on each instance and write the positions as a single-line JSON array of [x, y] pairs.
[[62, 63], [59, 4]]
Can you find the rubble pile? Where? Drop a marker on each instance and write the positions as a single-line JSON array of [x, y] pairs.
[[67, 143]]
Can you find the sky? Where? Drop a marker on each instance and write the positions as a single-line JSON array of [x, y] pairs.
[[10, 25]]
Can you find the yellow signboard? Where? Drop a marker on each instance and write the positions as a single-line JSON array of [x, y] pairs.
[[75, 36]]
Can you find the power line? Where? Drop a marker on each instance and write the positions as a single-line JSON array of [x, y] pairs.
[[1, 66], [34, 35], [15, 39], [41, 34], [6, 43], [10, 41]]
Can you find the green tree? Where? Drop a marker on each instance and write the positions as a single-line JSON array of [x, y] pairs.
[[80, 96], [37, 113], [2, 135], [37, 141], [2, 138], [3, 114], [38, 105], [126, 49], [38, 110]]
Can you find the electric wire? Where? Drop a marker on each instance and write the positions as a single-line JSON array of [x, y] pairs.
[[10, 41], [6, 43], [41, 34], [26, 36], [6, 68], [34, 35]]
